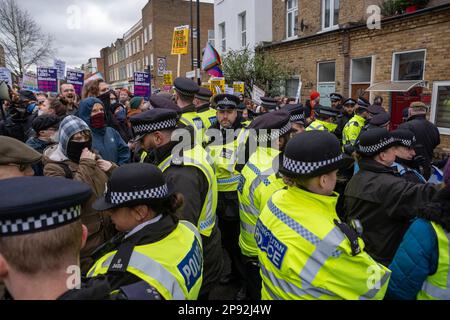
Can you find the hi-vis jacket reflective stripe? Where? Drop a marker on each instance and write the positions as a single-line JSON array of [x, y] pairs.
[[173, 265], [199, 158], [225, 158], [352, 130], [322, 126], [304, 255], [192, 119], [254, 183], [437, 286], [208, 117]]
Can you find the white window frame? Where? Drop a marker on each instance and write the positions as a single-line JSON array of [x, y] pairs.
[[145, 35], [326, 82], [333, 24], [288, 12], [222, 32], [152, 64], [242, 17], [138, 43], [433, 114], [372, 74], [410, 51], [150, 32], [212, 40]]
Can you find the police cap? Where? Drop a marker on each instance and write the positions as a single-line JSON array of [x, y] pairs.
[[226, 101], [271, 126], [153, 120], [204, 94], [186, 86], [161, 102], [56, 203]]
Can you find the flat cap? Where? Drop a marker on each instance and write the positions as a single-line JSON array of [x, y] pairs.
[[186, 86], [226, 101], [13, 151], [23, 210], [161, 102], [153, 120], [271, 126], [204, 94], [418, 105], [302, 157], [336, 96], [380, 119], [44, 122], [372, 142], [269, 103], [376, 109]]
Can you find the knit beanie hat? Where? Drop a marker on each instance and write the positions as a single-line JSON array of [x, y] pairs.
[[136, 102]]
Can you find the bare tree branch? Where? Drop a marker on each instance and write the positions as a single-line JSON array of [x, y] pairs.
[[23, 40]]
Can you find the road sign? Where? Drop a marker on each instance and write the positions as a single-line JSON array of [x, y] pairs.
[[162, 65]]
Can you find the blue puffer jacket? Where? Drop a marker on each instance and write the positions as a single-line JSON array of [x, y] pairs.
[[106, 141], [416, 258]]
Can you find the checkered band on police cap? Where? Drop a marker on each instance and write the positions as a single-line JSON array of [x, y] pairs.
[[152, 127], [123, 197], [274, 133], [376, 147], [297, 117], [307, 167], [42, 222]]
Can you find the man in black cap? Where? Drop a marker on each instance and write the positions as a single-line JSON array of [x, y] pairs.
[[381, 199], [16, 158], [260, 179], [336, 101], [297, 118], [268, 105], [226, 138], [353, 128], [41, 236], [46, 131], [374, 110], [381, 120], [161, 102], [325, 119], [427, 134], [407, 163], [347, 112], [185, 91], [205, 112], [189, 168]]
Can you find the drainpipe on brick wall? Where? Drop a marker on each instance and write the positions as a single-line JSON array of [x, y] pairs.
[[345, 48]]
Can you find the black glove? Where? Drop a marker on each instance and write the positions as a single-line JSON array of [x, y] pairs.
[[349, 149], [419, 161]]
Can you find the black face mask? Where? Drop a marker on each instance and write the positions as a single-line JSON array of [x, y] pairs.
[[74, 149]]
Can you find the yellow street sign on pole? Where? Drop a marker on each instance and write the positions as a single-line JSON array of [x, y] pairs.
[[239, 86]]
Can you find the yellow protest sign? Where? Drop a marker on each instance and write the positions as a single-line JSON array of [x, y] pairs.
[[239, 86], [217, 85], [206, 85], [180, 40], [168, 80]]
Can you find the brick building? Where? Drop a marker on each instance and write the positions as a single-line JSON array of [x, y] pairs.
[[93, 66], [149, 42], [2, 57], [331, 49]]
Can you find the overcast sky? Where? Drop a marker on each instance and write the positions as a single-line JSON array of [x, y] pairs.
[[82, 27]]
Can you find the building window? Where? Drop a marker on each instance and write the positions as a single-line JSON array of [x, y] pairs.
[[242, 18], [151, 62], [326, 77], [150, 32], [361, 70], [291, 18], [138, 41], [145, 35], [223, 37], [440, 106], [139, 65], [408, 65], [330, 14], [291, 88], [211, 37]]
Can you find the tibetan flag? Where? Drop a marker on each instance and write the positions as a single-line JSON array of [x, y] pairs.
[[211, 58], [215, 71]]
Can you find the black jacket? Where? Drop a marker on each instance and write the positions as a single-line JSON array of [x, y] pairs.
[[193, 185], [341, 121], [427, 136], [385, 203]]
